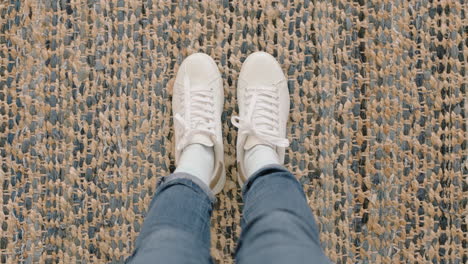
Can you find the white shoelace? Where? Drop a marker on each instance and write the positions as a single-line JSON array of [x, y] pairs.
[[261, 117], [198, 114]]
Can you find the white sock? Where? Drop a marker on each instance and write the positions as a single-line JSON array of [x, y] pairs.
[[259, 156], [197, 160]]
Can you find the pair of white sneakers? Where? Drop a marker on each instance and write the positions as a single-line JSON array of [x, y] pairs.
[[197, 103]]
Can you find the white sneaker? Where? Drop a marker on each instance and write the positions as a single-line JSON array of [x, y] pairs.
[[263, 99], [197, 104]]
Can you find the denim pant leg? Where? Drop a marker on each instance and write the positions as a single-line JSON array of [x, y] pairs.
[[277, 225], [177, 227]]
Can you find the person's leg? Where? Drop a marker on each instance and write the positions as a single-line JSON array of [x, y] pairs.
[[177, 227], [277, 225]]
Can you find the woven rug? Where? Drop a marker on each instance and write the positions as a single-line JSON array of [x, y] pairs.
[[378, 123]]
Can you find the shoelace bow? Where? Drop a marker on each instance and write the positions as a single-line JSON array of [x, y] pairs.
[[260, 119], [198, 118]]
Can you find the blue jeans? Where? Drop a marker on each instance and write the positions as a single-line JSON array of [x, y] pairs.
[[277, 224]]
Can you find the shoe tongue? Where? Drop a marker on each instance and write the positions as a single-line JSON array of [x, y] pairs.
[[201, 139], [253, 141]]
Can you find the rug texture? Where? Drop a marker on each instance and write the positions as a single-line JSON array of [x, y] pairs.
[[378, 123]]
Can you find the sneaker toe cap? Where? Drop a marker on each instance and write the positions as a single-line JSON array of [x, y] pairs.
[[261, 68]]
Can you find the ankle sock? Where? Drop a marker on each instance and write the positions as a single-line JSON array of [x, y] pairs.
[[257, 157], [197, 160]]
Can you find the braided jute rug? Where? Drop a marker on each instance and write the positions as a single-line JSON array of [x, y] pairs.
[[378, 124]]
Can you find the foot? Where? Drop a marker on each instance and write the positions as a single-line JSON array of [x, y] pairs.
[[197, 104], [263, 99]]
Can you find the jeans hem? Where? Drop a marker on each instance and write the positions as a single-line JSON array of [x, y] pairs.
[[180, 177], [259, 173]]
